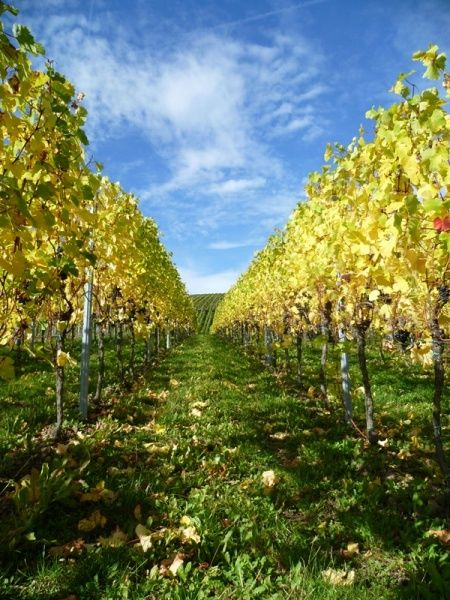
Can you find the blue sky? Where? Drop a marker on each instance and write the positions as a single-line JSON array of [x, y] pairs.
[[214, 112]]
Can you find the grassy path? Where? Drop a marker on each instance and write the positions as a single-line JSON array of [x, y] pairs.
[[234, 488]]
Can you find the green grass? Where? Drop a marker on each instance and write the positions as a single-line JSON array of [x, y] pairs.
[[187, 447]]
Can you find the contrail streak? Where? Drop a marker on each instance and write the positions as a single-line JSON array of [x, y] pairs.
[[91, 10], [270, 13]]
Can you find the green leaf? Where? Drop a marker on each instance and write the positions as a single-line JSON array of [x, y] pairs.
[[88, 194], [8, 8], [398, 221], [92, 258], [400, 89], [412, 204], [62, 161], [437, 120], [432, 205], [82, 137], [70, 268], [49, 218], [23, 207], [403, 76], [26, 39], [372, 113], [432, 72], [65, 215], [6, 368], [45, 190], [434, 62], [63, 90]]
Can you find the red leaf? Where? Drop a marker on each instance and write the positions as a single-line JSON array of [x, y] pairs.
[[442, 224]]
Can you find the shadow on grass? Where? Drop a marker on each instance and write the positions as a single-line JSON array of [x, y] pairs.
[[337, 490], [333, 491]]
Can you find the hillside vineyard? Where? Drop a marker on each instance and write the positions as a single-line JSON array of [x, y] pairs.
[[287, 439]]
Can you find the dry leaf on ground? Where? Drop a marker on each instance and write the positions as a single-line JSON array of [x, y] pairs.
[[270, 479], [339, 576], [95, 520], [170, 566], [443, 535], [116, 539]]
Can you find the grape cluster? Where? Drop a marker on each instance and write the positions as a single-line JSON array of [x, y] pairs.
[[403, 337]]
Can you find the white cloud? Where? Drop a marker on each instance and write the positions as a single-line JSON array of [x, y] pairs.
[[202, 283], [224, 245], [312, 93], [313, 133], [60, 3], [232, 186], [293, 125], [428, 23], [200, 104], [213, 107]]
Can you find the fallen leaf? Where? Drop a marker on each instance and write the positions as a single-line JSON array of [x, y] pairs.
[[339, 576], [161, 396], [403, 453], [270, 479], [99, 493], [145, 537], [156, 448], [95, 520], [189, 534], [351, 550], [279, 435], [116, 539], [199, 404], [170, 566], [443, 535], [176, 564], [195, 412]]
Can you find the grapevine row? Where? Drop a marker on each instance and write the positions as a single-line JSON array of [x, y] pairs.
[[67, 231], [368, 251]]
